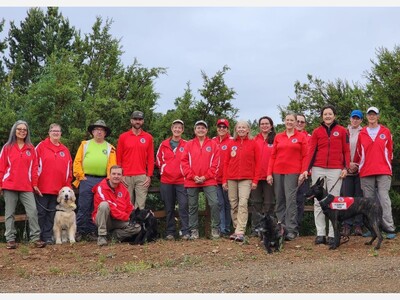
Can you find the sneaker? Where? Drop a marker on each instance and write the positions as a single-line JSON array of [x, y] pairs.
[[239, 238], [345, 230], [49, 242], [367, 234], [101, 240], [11, 245], [290, 236], [194, 234], [391, 236], [39, 244], [215, 233], [185, 237], [170, 237], [358, 231]]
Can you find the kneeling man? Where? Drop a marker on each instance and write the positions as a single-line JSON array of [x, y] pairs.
[[112, 208]]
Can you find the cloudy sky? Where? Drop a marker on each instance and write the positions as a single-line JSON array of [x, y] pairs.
[[267, 48]]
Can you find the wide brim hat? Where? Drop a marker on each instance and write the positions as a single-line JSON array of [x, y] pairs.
[[99, 123]]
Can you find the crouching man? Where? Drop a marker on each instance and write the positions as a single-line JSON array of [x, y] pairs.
[[112, 208]]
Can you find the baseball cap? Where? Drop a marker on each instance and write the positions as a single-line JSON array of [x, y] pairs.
[[178, 121], [374, 109], [137, 115], [201, 122], [223, 121], [356, 113]]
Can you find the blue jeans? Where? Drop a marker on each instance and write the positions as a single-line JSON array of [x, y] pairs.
[[84, 221], [46, 207], [170, 193], [224, 210]]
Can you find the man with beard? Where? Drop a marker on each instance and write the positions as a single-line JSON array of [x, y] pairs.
[[135, 154]]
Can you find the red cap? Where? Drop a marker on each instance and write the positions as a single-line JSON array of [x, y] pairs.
[[223, 121]]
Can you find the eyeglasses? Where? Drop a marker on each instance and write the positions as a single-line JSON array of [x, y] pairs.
[[301, 122], [22, 129], [222, 127]]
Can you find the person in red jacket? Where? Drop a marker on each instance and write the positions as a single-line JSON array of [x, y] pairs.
[[135, 154], [55, 162], [301, 125], [328, 156], [171, 187], [222, 139], [18, 181], [240, 176], [199, 164], [285, 171], [374, 156], [262, 199], [112, 208]]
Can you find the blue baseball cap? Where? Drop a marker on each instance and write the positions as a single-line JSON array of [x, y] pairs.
[[356, 113]]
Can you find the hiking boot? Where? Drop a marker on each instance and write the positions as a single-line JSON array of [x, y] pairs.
[[345, 230], [11, 245], [215, 233], [91, 237], [330, 241], [170, 237], [320, 240], [101, 240], [194, 235], [358, 231]]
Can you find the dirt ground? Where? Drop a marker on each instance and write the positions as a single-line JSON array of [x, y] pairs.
[[202, 266]]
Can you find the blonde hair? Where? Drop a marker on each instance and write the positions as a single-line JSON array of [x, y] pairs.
[[245, 123]]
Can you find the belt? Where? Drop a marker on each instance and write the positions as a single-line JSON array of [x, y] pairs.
[[95, 176]]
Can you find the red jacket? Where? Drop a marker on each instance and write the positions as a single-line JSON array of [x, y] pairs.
[[135, 153], [265, 155], [289, 155], [242, 160], [54, 162], [223, 146], [200, 161], [18, 168], [119, 200], [169, 162], [329, 148], [374, 157]]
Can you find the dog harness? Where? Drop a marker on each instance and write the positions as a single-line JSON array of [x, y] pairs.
[[341, 203]]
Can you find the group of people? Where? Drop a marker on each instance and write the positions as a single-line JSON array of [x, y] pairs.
[[238, 174]]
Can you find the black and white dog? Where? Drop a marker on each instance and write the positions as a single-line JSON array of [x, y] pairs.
[[271, 233], [148, 223], [338, 210]]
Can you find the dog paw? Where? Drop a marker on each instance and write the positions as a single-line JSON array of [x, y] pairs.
[[58, 242], [72, 241]]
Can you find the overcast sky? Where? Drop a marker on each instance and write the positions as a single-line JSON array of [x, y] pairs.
[[267, 48]]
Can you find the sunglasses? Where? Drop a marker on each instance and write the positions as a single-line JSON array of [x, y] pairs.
[[22, 129], [222, 126], [301, 122]]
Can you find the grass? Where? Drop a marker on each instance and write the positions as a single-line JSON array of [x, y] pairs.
[[133, 267]]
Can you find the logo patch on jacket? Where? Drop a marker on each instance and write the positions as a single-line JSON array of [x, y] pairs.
[[28, 153], [341, 203], [62, 154], [224, 147], [208, 149], [382, 136], [143, 140], [181, 149], [294, 141], [119, 195], [336, 133], [105, 151]]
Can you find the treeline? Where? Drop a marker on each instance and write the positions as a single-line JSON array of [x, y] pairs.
[[51, 72]]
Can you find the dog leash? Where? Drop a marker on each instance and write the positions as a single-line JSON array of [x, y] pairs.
[[334, 185]]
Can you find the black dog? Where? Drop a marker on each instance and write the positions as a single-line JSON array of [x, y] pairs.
[[271, 233], [370, 209], [148, 223]]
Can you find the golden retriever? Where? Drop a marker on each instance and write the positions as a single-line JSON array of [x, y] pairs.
[[64, 228]]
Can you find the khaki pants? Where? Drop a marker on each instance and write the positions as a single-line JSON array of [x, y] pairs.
[[239, 193], [105, 224], [136, 189]]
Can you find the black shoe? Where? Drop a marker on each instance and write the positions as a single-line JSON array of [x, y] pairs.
[[330, 241], [320, 240]]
